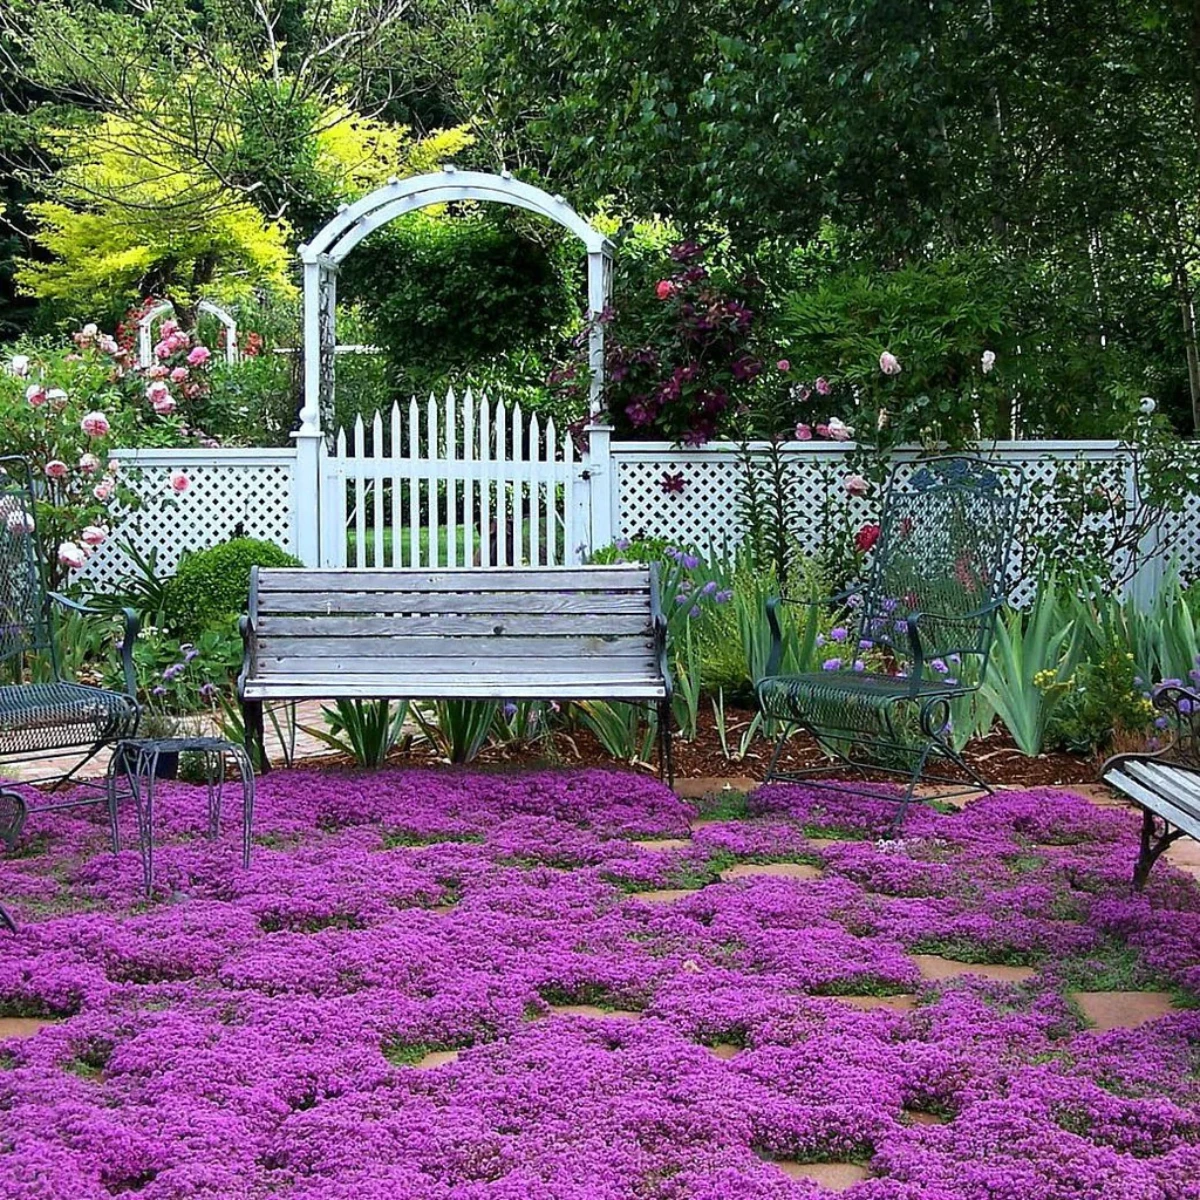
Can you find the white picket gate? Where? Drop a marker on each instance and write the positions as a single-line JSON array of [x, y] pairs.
[[453, 484]]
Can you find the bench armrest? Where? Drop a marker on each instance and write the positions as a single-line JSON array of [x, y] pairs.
[[130, 622], [249, 645]]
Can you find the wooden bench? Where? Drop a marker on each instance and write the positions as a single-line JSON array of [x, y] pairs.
[[1164, 784], [500, 633]]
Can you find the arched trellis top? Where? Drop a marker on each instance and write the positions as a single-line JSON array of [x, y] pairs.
[[146, 327], [323, 254], [400, 196]]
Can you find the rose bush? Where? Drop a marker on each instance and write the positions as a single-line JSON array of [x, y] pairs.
[[64, 409]]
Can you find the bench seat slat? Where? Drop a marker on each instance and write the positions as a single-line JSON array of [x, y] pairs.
[[1180, 785], [312, 606], [484, 579], [564, 648], [520, 625], [299, 665], [1154, 800], [437, 687]]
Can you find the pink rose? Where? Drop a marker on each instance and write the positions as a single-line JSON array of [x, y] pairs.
[[856, 485], [163, 350], [158, 371], [102, 490], [803, 433], [822, 431], [71, 555], [199, 356], [107, 344], [57, 469], [156, 391], [164, 405], [839, 430], [783, 365], [179, 340], [89, 464], [167, 328], [114, 465], [889, 364], [95, 424], [822, 386], [93, 535], [179, 374], [665, 289], [36, 395], [179, 481]]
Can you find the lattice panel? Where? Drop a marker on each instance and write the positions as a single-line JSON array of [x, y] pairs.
[[226, 498], [709, 508]]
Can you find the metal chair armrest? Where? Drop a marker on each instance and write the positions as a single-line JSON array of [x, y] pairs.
[[74, 605]]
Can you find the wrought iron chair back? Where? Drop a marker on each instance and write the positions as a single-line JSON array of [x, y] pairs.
[[25, 626], [938, 571], [39, 718]]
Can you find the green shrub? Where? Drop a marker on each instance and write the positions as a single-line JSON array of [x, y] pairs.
[[214, 583]]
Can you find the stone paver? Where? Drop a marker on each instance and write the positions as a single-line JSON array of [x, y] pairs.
[[778, 870], [21, 1027], [308, 712], [664, 895], [594, 1012], [662, 843], [711, 785], [1122, 1010], [724, 1050], [834, 1177], [901, 1002], [435, 1059], [934, 967], [1184, 855], [925, 1118]]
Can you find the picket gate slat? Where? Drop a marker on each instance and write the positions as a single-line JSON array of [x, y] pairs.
[[481, 483]]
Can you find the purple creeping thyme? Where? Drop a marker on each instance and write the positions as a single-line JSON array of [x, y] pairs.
[[251, 1034]]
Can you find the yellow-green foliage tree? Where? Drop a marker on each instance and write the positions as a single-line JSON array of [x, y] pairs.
[[185, 159]]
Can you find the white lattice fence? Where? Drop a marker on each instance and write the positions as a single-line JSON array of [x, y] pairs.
[[696, 497], [248, 493]]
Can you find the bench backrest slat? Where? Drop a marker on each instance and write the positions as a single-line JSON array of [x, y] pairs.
[[555, 622]]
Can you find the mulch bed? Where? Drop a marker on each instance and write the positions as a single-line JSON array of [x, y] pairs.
[[995, 757]]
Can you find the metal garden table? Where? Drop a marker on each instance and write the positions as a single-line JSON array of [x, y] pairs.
[[137, 759]]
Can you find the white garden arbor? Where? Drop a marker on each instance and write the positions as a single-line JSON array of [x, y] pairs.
[[323, 255]]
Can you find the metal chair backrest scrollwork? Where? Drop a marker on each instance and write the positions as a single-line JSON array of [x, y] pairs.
[[937, 577], [25, 626]]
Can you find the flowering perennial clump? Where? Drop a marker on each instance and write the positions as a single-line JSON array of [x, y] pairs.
[[260, 1034]]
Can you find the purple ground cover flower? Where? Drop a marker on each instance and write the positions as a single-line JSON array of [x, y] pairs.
[[250, 1034]]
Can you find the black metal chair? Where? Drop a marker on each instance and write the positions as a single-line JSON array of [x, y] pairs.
[[926, 613], [42, 720]]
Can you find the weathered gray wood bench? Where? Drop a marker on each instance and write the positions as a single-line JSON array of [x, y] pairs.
[[1164, 784], [501, 633]]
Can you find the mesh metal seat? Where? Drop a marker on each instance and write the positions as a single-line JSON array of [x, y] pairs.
[[61, 716], [41, 719], [927, 610]]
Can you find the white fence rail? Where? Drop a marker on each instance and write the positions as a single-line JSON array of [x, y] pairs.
[[464, 481]]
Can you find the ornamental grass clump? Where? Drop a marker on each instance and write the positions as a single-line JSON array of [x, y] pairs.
[[264, 1033]]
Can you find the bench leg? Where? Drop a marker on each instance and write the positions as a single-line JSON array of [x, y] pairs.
[[1152, 846], [255, 734], [666, 756]]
